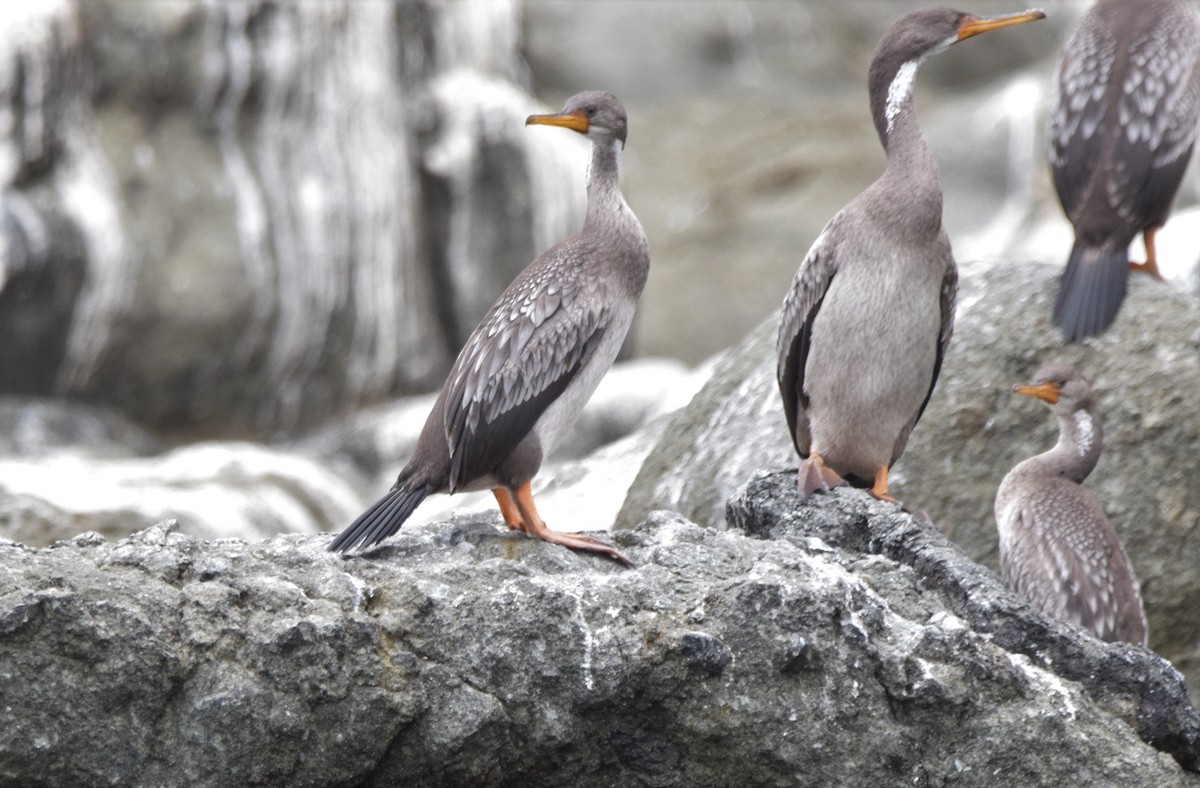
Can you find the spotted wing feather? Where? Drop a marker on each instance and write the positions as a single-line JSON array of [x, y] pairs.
[[1076, 134], [523, 355], [1066, 568], [1157, 113]]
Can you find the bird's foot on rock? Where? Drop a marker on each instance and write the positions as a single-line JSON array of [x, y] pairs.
[[879, 490], [1151, 264], [815, 476], [1149, 267], [521, 514], [583, 543], [888, 499]]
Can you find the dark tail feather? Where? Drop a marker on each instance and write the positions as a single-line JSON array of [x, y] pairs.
[[1091, 290], [383, 519]]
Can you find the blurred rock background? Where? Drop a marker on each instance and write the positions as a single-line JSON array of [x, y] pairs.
[[241, 241]]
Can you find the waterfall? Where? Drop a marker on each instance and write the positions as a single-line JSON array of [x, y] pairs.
[[326, 199], [323, 190], [44, 115]]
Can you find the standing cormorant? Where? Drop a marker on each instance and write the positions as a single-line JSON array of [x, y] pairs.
[[535, 359], [1057, 549], [1121, 134], [869, 314]]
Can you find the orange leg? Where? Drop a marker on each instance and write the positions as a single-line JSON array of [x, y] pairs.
[[816, 476], [1151, 264], [534, 526], [880, 488], [508, 508]]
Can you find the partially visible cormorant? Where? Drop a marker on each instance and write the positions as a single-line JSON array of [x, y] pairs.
[[1121, 134], [1057, 549], [536, 357], [869, 314]]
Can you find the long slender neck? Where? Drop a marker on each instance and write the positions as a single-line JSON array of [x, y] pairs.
[[605, 202], [910, 161], [1080, 440]]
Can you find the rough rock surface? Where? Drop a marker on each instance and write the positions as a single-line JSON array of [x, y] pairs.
[[459, 653], [1146, 371]]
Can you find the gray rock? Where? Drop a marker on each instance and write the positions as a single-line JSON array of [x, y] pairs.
[[36, 428], [733, 427], [1146, 371], [1135, 684], [460, 653]]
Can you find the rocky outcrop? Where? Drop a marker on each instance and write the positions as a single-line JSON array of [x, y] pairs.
[[1145, 371], [841, 643]]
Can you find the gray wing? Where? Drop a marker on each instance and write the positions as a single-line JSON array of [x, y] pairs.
[[1076, 134], [949, 295], [800, 307], [1157, 115], [522, 356]]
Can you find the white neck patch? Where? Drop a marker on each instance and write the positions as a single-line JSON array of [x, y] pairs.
[[617, 147], [899, 91], [1086, 432]]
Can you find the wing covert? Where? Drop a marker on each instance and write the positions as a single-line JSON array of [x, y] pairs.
[[1157, 115], [800, 307], [1076, 134], [519, 360]]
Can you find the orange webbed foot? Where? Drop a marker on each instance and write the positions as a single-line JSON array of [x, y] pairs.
[[815, 476], [531, 523]]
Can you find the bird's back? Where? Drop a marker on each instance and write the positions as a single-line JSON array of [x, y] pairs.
[[1124, 121], [1059, 552]]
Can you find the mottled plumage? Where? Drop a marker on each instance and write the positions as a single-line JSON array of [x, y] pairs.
[[535, 358], [1122, 128], [1057, 548], [869, 315]]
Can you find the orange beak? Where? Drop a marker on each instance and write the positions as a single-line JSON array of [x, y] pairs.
[[575, 121], [973, 25], [1046, 391]]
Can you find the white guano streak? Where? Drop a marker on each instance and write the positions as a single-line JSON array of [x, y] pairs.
[[899, 91]]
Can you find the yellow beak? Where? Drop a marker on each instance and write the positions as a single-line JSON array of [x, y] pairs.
[[576, 121], [973, 25], [1046, 391]]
